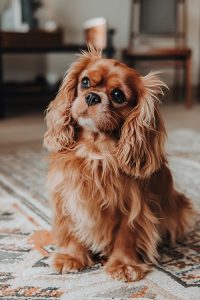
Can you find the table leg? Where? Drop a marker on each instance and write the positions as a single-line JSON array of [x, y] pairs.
[[188, 83]]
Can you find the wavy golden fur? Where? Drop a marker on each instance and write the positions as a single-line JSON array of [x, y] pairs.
[[109, 179]]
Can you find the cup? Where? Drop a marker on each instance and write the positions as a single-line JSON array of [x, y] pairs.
[[96, 32]]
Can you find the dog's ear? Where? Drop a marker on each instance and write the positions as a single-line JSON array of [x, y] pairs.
[[60, 134], [60, 128], [140, 149]]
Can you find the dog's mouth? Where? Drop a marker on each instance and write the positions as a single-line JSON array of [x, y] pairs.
[[86, 116], [87, 123], [95, 118]]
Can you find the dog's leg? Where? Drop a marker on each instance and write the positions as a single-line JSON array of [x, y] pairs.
[[124, 263], [71, 258], [179, 216], [175, 209], [70, 254]]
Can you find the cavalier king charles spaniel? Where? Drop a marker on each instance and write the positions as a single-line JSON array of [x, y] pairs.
[[109, 180]]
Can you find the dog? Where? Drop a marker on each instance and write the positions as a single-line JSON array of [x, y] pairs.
[[109, 181]]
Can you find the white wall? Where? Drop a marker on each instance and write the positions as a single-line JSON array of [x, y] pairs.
[[70, 14]]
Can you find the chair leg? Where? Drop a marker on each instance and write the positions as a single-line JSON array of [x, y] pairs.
[[188, 83], [2, 103]]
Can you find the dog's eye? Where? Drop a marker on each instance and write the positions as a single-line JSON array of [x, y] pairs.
[[85, 82], [118, 96]]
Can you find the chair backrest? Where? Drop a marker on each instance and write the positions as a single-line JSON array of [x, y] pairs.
[[158, 19]]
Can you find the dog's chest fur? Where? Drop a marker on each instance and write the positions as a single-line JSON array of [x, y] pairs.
[[92, 194]]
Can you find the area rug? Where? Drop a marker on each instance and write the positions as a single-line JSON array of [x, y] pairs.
[[26, 242]]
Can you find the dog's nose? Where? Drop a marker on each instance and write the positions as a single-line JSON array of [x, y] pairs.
[[92, 99]]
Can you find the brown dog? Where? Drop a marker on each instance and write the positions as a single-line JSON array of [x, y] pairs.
[[109, 179]]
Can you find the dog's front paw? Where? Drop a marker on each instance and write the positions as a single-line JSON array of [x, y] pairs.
[[126, 272], [64, 263]]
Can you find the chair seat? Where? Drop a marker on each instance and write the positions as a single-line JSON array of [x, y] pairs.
[[158, 53]]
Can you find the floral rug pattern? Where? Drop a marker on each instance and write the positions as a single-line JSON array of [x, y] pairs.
[[26, 243]]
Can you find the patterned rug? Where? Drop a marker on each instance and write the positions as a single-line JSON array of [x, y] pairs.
[[26, 242]]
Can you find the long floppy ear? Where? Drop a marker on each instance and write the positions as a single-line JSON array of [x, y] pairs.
[[60, 134], [140, 149]]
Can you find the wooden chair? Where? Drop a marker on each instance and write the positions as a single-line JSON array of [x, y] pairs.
[[154, 21]]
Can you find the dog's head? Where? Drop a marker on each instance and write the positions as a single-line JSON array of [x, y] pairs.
[[105, 96]]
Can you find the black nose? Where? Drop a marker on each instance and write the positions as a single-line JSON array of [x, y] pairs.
[[92, 99]]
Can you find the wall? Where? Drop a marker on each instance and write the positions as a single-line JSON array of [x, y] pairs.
[[70, 14]]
